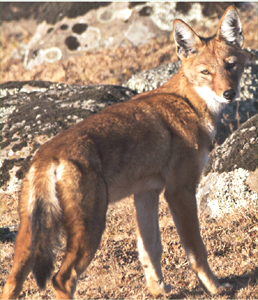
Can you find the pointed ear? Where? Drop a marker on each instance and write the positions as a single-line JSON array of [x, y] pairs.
[[186, 39], [230, 28]]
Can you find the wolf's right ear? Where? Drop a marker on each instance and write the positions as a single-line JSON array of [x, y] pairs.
[[186, 39], [230, 28]]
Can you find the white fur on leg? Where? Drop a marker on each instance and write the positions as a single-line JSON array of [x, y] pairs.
[[149, 244], [153, 274]]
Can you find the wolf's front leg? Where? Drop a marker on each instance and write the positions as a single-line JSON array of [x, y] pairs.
[[149, 244], [182, 205]]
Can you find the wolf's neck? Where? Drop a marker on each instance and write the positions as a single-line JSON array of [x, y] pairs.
[[202, 99]]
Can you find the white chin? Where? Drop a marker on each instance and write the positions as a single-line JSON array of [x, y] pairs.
[[214, 102]]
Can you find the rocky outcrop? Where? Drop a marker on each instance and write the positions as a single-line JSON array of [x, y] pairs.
[[50, 11], [34, 111], [151, 79], [238, 151], [229, 181], [62, 30]]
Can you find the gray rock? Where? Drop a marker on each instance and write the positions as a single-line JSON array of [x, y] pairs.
[[34, 111], [238, 151], [68, 29], [52, 12], [229, 181], [151, 79], [114, 24]]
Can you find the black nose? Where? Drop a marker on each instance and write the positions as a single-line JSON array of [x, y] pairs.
[[229, 94]]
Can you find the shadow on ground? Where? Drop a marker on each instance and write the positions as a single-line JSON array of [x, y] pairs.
[[238, 282]]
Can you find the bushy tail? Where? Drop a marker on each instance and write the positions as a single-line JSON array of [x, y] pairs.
[[45, 213]]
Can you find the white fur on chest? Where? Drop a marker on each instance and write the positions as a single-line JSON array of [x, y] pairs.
[[214, 103]]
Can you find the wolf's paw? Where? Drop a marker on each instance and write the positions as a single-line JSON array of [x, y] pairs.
[[225, 288], [159, 288]]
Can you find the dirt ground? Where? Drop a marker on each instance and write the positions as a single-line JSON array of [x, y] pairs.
[[115, 272]]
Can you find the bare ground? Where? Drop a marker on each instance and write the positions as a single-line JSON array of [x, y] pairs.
[[115, 271]]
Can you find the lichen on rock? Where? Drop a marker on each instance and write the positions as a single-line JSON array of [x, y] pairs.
[[229, 181]]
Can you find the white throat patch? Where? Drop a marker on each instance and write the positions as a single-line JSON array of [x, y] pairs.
[[214, 102]]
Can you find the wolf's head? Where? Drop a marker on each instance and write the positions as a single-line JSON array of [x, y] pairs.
[[213, 65]]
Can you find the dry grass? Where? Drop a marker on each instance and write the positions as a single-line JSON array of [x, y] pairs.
[[116, 273]]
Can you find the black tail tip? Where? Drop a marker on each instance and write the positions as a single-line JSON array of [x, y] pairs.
[[41, 282], [42, 272]]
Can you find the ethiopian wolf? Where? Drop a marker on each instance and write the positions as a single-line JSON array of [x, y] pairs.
[[156, 141]]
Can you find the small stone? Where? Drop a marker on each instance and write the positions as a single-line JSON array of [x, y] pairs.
[[10, 153]]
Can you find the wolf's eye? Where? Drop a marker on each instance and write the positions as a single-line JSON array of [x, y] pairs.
[[230, 65], [205, 72]]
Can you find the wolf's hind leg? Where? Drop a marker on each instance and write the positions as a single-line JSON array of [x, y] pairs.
[[22, 261], [84, 221], [149, 243]]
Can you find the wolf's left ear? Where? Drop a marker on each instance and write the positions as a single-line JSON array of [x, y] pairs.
[[230, 28]]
